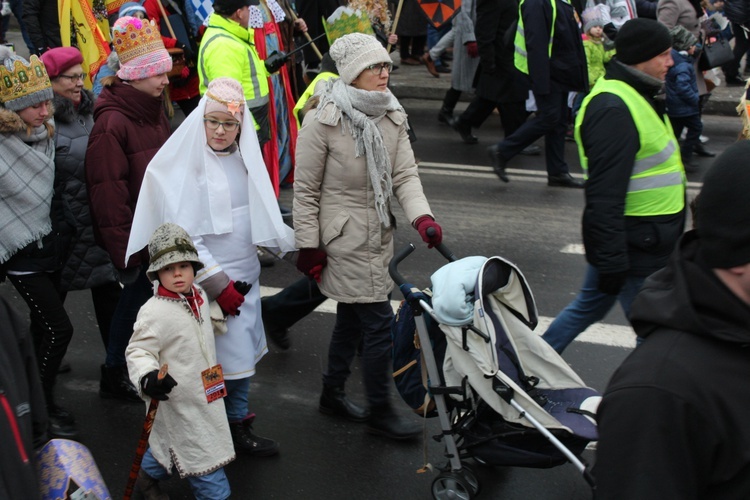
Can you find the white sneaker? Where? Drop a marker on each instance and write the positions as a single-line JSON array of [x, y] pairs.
[[703, 138]]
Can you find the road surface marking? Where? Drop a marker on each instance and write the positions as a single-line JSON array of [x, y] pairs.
[[598, 333]]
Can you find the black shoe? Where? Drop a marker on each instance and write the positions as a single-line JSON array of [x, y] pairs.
[[463, 130], [385, 421], [532, 150], [148, 487], [247, 443], [688, 165], [61, 422], [266, 259], [333, 401], [701, 150], [736, 81], [442, 68], [564, 180], [279, 336], [498, 163], [445, 115], [115, 384]]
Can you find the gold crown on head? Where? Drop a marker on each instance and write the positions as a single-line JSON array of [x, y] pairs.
[[24, 80], [136, 38]]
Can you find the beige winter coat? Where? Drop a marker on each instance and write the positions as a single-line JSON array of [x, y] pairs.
[[334, 204]]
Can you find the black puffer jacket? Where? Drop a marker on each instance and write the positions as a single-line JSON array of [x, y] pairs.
[[42, 23], [88, 265]]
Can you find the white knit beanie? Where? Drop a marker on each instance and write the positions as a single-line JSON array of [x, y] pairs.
[[354, 52]]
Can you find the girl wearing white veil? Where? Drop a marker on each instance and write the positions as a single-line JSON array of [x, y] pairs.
[[210, 179]]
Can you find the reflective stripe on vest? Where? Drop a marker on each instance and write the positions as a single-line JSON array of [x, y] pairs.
[[657, 181], [256, 100], [521, 56]]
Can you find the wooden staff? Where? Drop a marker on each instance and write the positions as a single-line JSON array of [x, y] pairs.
[[145, 433], [307, 35], [165, 17], [395, 22]]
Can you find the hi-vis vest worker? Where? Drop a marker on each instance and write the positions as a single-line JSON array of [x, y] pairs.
[[657, 182], [521, 56]]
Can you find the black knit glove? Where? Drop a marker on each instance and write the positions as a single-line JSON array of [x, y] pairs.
[[611, 283], [155, 388]]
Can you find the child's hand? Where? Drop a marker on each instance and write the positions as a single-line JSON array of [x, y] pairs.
[[155, 388]]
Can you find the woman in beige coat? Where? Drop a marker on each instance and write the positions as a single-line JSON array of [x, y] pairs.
[[353, 156]]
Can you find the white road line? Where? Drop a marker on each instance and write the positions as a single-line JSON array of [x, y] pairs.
[[574, 248], [598, 333]]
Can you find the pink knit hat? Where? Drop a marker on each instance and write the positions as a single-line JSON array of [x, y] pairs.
[[140, 49], [59, 59], [226, 95]]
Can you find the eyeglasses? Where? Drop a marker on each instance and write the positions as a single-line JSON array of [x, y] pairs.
[[229, 126], [74, 78], [377, 69]]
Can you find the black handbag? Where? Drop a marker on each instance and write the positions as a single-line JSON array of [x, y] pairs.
[[715, 53]]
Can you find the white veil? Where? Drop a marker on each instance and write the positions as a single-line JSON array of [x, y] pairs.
[[185, 184]]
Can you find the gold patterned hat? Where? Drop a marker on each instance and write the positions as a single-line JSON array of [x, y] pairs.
[[140, 49], [22, 83]]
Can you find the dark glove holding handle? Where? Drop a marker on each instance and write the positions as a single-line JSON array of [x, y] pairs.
[[155, 388], [429, 230], [275, 61]]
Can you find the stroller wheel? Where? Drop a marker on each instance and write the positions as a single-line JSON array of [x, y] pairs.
[[453, 486], [471, 478]]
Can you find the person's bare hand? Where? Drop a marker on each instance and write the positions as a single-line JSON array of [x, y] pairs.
[[300, 25]]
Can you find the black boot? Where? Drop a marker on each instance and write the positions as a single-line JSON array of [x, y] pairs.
[[61, 422], [445, 115], [701, 150], [115, 384], [385, 421], [333, 401], [463, 130], [148, 487], [246, 442]]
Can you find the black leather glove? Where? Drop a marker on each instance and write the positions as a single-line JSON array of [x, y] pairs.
[[275, 61], [186, 50], [611, 283], [129, 276], [155, 388], [242, 287]]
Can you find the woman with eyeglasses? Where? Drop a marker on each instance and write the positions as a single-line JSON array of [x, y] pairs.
[[209, 178], [353, 160], [87, 265], [34, 224]]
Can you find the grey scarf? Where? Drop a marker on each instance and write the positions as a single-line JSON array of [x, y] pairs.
[[27, 172], [361, 111]]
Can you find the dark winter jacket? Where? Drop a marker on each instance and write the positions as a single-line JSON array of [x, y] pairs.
[[674, 419], [87, 265], [566, 70], [615, 243], [49, 254], [498, 80], [737, 11], [40, 17], [129, 128], [23, 414], [682, 88]]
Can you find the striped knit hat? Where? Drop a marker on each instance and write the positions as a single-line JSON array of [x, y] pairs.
[[140, 49]]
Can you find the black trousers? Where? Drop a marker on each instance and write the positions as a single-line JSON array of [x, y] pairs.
[[550, 122], [291, 304], [512, 114], [741, 45], [51, 328], [372, 324], [694, 127], [105, 298]]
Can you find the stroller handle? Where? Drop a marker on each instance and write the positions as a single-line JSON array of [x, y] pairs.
[[396, 260], [407, 250]]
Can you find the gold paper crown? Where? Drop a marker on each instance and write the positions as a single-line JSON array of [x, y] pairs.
[[131, 42], [22, 82]]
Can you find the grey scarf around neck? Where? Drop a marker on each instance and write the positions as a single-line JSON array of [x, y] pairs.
[[361, 111]]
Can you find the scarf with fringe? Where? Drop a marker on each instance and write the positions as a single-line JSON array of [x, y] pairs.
[[27, 172], [361, 111]]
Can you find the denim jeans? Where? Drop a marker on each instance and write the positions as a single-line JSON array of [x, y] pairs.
[[589, 306], [371, 323], [16, 6], [211, 486], [132, 297], [236, 399]]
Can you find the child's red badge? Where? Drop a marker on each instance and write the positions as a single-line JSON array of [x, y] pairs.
[[213, 383]]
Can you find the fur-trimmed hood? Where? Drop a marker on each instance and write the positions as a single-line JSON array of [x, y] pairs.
[[11, 122], [65, 110]]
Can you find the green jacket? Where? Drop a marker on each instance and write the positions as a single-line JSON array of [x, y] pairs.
[[227, 49], [596, 57]]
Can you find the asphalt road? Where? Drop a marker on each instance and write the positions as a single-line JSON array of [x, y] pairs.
[[321, 457]]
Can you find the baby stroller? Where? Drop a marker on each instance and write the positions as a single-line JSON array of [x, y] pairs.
[[503, 396]]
